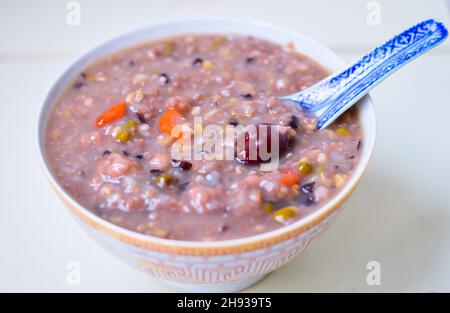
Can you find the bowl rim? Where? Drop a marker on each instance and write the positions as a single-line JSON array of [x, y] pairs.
[[220, 247]]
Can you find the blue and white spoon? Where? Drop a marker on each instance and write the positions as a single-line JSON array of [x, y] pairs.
[[332, 96]]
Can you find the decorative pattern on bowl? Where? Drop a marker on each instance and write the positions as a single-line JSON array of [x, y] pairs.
[[209, 272]]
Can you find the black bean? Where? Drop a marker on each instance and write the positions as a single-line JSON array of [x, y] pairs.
[[249, 60], [131, 63], [125, 153], [141, 117], [308, 188], [308, 191], [99, 211], [293, 122], [197, 61], [309, 199], [351, 157], [247, 96], [78, 85], [155, 171], [164, 78], [358, 145], [183, 186], [106, 153], [222, 228], [233, 121], [139, 156], [184, 165]]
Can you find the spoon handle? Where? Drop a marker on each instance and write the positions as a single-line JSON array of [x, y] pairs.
[[333, 95]]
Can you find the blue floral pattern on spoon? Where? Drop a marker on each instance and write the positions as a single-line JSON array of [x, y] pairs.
[[332, 96]]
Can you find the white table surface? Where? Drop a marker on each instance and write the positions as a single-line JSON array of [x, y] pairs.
[[399, 215]]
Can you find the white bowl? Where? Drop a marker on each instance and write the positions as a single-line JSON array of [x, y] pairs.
[[228, 265]]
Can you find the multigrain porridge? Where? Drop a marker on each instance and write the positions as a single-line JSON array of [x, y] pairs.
[[109, 138]]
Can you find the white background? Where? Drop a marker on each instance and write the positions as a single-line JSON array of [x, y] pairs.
[[399, 215]]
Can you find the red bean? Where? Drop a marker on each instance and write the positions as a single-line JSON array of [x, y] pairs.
[[243, 154]]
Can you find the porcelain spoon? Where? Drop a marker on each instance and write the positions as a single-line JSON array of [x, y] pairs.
[[332, 96]]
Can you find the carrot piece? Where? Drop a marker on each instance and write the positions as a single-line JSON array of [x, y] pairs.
[[290, 177], [169, 119], [113, 113]]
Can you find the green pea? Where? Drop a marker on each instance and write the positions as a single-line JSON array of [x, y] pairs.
[[165, 180], [168, 48], [342, 131], [268, 208], [321, 169], [123, 136], [130, 124], [305, 168], [285, 214]]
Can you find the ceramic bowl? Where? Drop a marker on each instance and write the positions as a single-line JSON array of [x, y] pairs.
[[221, 266]]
